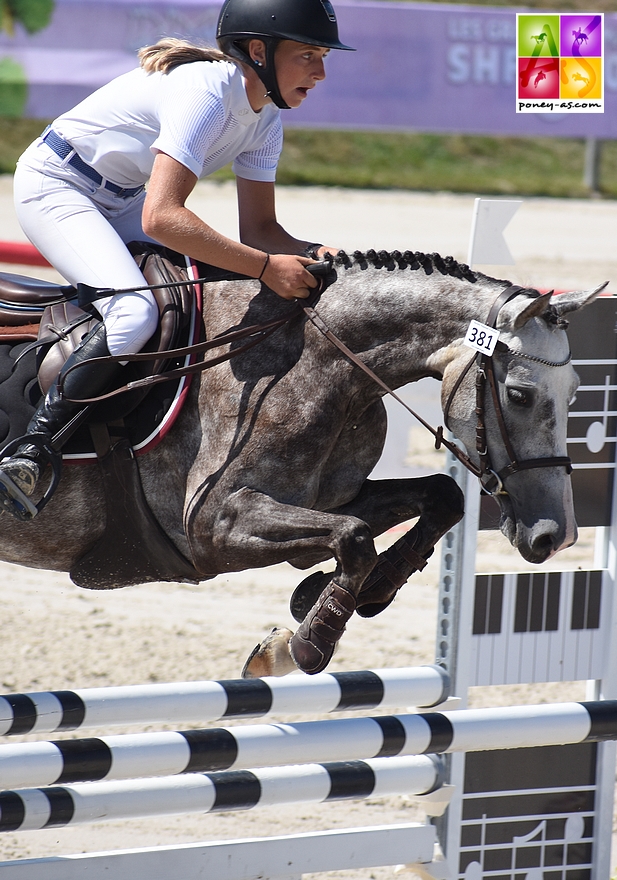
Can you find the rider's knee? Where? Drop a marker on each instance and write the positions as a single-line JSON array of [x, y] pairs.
[[131, 323]]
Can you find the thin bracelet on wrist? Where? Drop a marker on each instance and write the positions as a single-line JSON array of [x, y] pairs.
[[265, 266]]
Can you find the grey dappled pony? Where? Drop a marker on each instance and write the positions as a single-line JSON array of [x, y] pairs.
[[269, 459]]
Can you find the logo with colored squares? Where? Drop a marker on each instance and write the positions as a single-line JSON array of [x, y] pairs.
[[560, 63]]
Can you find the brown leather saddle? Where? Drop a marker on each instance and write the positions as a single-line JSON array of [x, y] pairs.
[[134, 548]]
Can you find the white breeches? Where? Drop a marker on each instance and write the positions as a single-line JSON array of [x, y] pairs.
[[82, 230]]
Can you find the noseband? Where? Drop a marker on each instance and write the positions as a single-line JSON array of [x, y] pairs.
[[493, 481]]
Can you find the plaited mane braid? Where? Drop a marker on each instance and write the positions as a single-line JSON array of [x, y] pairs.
[[409, 260], [391, 260]]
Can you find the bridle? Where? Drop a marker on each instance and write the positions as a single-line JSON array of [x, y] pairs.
[[493, 481]]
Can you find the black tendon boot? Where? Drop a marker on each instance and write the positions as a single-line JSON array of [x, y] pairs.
[[21, 471]]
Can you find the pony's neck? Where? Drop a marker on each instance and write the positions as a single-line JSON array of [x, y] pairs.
[[404, 314]]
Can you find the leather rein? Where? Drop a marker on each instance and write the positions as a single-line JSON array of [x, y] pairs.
[[256, 333], [494, 485]]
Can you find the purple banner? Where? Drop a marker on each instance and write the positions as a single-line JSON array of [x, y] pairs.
[[419, 67]]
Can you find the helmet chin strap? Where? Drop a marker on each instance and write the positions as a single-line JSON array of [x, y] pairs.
[[267, 72]]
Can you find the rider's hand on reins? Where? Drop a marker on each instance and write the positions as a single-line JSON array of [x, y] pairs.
[[287, 276]]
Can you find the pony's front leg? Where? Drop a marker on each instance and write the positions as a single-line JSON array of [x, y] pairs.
[[440, 504], [436, 500], [255, 530]]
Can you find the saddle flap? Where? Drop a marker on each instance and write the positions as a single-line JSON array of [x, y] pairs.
[[55, 319], [150, 411], [174, 305]]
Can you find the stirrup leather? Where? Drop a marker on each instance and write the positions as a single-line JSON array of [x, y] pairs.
[[12, 499]]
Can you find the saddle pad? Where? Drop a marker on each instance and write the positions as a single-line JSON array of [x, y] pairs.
[[19, 391]]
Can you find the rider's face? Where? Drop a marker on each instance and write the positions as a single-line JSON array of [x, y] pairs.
[[299, 67]]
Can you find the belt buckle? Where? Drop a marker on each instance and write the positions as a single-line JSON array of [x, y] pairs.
[[121, 191], [131, 191]]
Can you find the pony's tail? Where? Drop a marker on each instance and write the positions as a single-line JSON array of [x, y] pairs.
[[170, 52]]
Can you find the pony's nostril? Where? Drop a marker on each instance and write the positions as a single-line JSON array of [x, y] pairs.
[[544, 546]]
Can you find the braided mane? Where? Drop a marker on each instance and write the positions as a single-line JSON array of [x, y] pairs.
[[391, 260]]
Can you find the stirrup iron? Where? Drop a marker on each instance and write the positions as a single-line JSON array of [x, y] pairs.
[[12, 499]]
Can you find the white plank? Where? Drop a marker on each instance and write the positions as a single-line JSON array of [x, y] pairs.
[[250, 859]]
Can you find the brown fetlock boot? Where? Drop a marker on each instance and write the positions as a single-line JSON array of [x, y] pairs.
[[312, 645], [394, 567], [392, 570]]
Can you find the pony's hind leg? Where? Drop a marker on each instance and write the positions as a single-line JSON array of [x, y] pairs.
[[438, 502]]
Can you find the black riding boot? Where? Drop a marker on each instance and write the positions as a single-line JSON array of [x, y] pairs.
[[20, 473]]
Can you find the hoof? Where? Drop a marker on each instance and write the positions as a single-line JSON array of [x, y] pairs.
[[271, 657], [307, 593]]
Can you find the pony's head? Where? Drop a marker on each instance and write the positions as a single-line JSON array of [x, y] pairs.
[[521, 399]]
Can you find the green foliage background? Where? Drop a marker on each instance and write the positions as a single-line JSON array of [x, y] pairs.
[[34, 15]]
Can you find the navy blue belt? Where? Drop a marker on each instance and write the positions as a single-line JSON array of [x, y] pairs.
[[63, 149]]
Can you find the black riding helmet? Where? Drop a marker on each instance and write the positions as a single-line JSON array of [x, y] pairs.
[[304, 21]]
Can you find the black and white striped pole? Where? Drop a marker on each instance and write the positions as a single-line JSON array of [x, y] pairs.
[[203, 701], [273, 745], [91, 802]]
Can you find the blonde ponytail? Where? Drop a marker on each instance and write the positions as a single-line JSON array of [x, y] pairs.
[[170, 52]]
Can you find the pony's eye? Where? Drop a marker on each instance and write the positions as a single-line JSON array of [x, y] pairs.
[[519, 397]]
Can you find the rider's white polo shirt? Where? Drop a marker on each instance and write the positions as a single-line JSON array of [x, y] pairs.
[[198, 114]]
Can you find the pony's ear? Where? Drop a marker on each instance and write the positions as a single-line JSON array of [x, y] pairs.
[[576, 299], [516, 313]]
